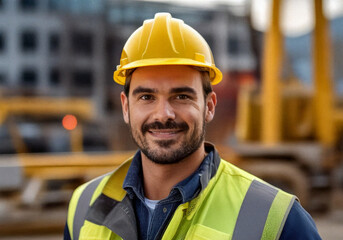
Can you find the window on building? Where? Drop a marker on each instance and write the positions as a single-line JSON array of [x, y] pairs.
[[233, 46], [82, 43], [54, 4], [1, 4], [2, 42], [29, 77], [28, 4], [54, 43], [29, 41], [54, 77], [83, 79]]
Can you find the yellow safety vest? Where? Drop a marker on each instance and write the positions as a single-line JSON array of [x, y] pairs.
[[234, 205]]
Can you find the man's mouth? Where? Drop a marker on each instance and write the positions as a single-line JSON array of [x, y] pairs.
[[164, 133]]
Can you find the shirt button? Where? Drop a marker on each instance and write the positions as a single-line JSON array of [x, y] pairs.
[[164, 209]]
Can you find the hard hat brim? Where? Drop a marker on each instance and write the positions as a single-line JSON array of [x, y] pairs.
[[119, 76]]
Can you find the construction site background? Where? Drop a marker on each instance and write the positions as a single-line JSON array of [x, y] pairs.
[[60, 115]]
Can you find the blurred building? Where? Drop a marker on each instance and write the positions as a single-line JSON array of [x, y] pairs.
[[71, 48], [62, 47], [45, 50]]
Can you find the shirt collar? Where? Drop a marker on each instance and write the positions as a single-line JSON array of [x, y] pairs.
[[187, 189], [134, 178]]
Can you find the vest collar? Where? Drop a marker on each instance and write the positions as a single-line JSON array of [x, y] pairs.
[[113, 208], [207, 175], [117, 216]]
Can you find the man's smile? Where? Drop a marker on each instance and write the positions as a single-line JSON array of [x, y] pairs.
[[164, 133]]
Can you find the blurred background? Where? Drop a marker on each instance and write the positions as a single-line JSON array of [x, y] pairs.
[[279, 113]]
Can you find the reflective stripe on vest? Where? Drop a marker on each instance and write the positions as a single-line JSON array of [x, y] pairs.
[[254, 211], [83, 205], [258, 201], [260, 211]]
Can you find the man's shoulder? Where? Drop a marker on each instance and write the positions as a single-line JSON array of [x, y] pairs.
[[299, 225]]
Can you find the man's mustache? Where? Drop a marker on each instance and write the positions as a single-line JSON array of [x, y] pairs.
[[167, 125]]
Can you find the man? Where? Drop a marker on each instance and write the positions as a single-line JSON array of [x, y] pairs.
[[176, 186]]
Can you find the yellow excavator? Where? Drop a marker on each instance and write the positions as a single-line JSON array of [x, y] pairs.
[[289, 134]]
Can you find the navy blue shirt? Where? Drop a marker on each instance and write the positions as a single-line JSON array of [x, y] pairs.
[[151, 225]]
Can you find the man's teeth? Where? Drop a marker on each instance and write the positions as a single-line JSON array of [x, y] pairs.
[[161, 132]]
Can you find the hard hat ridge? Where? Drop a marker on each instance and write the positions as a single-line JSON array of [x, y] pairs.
[[166, 41]]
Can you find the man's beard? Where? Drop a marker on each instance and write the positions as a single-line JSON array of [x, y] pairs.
[[164, 155]]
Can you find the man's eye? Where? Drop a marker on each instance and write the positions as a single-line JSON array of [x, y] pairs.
[[146, 97], [182, 97]]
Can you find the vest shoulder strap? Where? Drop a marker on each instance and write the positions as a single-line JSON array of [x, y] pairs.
[[83, 205], [86, 193], [258, 208]]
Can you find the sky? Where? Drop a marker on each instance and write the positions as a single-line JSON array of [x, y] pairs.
[[297, 17]]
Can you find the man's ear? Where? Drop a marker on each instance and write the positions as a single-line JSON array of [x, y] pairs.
[[211, 102], [125, 106]]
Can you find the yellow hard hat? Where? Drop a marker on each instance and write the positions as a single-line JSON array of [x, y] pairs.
[[166, 41]]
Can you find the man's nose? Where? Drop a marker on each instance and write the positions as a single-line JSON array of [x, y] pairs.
[[164, 111]]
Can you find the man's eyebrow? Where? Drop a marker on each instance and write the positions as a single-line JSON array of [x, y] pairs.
[[183, 90], [143, 90]]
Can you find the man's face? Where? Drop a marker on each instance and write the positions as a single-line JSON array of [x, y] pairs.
[[166, 112]]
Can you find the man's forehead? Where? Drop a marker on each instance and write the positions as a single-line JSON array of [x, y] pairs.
[[166, 75]]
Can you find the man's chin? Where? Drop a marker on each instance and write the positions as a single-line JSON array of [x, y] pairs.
[[165, 143], [163, 152]]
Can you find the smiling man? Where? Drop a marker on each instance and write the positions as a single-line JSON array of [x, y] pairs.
[[176, 186], [166, 109]]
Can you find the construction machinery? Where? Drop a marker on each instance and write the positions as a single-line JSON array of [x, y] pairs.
[[47, 109], [32, 179], [65, 114], [289, 134]]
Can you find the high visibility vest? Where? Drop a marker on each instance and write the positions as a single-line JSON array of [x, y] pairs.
[[235, 205]]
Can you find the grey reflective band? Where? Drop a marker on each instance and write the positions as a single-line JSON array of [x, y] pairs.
[[83, 205], [254, 211]]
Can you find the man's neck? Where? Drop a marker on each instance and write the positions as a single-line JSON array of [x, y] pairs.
[[159, 179]]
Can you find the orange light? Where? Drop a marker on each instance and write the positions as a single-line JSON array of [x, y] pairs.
[[69, 122]]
